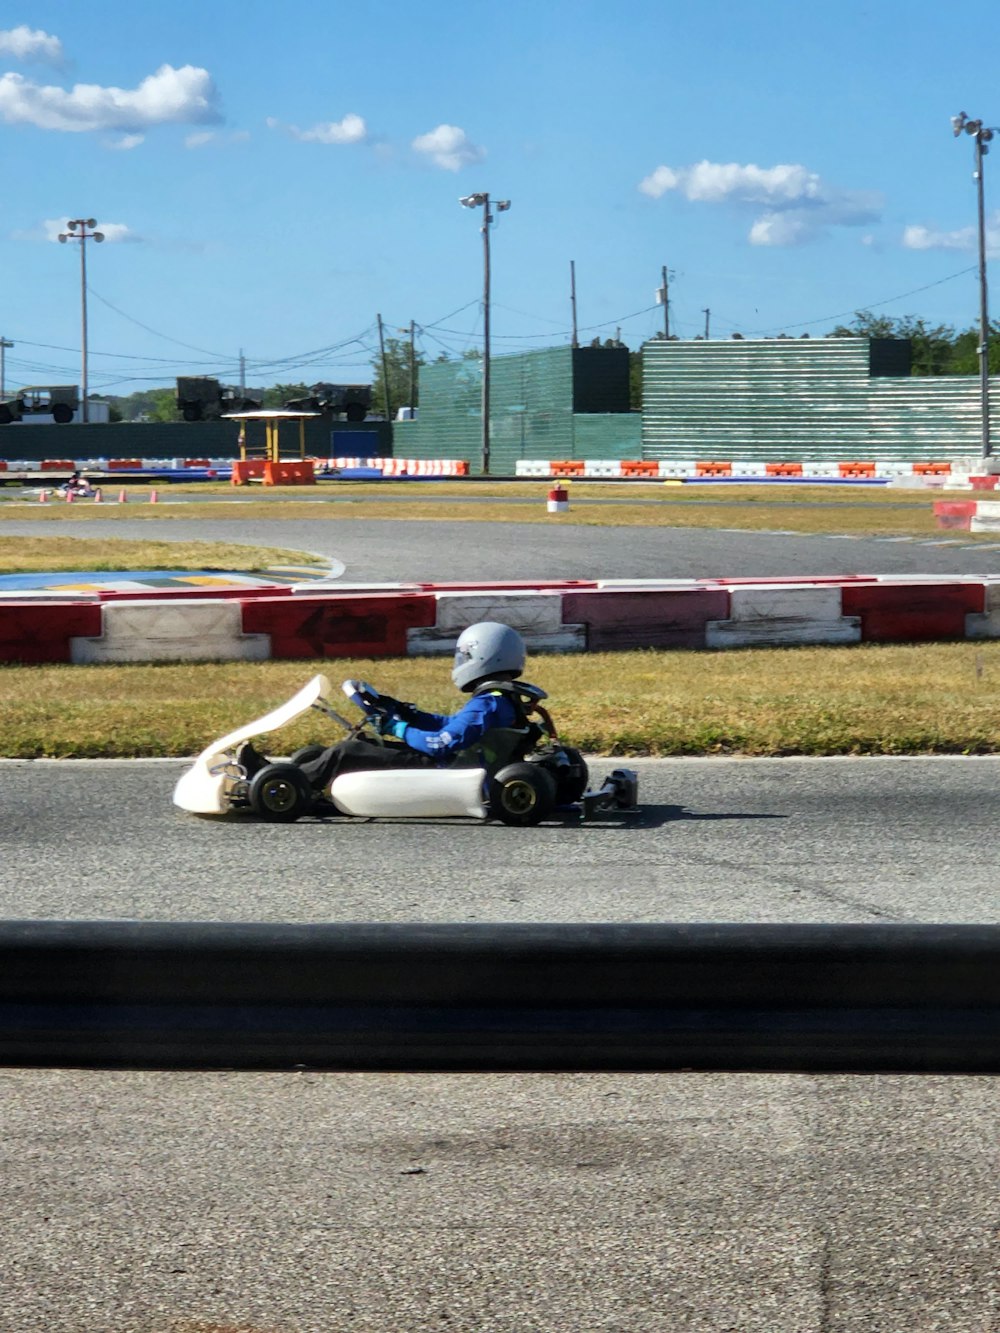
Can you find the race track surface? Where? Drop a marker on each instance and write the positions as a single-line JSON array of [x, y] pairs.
[[312, 1203], [391, 550], [682, 1203]]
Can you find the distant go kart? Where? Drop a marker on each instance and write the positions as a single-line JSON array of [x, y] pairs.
[[533, 776]]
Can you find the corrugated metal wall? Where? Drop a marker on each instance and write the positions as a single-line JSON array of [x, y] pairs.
[[531, 409], [777, 400]]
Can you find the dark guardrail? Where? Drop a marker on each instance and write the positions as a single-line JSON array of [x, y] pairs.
[[490, 997]]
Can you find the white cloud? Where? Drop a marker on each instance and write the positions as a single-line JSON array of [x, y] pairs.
[[798, 205], [113, 232], [186, 95], [778, 229], [352, 129], [127, 141], [448, 147], [201, 138], [965, 239], [24, 43]]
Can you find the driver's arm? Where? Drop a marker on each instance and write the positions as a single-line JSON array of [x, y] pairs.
[[448, 735]]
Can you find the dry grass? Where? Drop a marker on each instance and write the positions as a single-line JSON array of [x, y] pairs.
[[58, 554], [935, 698], [871, 511]]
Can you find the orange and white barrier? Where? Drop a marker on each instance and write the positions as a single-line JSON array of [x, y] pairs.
[[919, 472]]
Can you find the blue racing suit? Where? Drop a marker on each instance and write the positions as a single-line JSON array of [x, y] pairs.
[[442, 737]]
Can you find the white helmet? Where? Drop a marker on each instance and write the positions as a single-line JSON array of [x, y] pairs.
[[485, 650]]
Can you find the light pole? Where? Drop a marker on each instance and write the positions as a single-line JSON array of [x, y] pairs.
[[482, 200], [78, 232], [4, 344], [982, 135]]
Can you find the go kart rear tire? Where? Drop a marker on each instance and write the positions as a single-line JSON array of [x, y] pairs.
[[279, 793], [522, 794]]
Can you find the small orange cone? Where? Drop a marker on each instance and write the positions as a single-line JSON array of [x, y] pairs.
[[43, 497], [122, 497], [98, 495], [153, 498], [69, 497]]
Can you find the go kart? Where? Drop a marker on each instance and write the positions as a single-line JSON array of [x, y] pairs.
[[529, 776]]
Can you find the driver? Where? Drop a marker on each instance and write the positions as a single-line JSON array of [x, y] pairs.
[[488, 657]]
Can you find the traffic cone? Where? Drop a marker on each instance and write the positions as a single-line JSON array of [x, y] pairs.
[[153, 497], [98, 495], [122, 497], [69, 497], [43, 497], [558, 499]]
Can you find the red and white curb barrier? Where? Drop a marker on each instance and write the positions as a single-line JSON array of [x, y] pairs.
[[968, 515], [399, 620]]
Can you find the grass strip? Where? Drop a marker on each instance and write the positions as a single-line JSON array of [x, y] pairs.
[[876, 511], [59, 554], [865, 700]]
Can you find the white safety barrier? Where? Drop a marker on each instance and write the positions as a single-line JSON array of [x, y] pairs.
[[782, 616], [535, 615], [172, 631]]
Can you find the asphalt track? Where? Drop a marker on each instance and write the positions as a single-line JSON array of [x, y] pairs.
[[390, 550], [307, 1203]]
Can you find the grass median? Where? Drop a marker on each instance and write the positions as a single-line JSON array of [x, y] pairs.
[[862, 511], [895, 700]]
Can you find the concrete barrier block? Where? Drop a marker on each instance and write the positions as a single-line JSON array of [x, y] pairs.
[[338, 625], [985, 624], [171, 631], [783, 616], [646, 617], [40, 631], [917, 611], [437, 643], [527, 612], [986, 517]]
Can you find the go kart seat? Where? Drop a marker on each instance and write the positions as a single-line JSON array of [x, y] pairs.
[[499, 747]]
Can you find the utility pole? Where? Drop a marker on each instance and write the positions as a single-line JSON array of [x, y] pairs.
[[572, 297], [385, 371], [4, 344], [413, 366], [243, 375], [664, 296], [706, 313], [482, 200]]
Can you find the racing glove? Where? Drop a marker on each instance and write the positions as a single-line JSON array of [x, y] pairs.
[[390, 725], [396, 708]]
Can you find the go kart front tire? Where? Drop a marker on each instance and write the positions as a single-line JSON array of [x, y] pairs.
[[279, 793], [306, 755], [522, 794], [571, 779]]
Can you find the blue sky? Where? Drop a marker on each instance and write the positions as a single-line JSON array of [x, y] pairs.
[[271, 178]]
